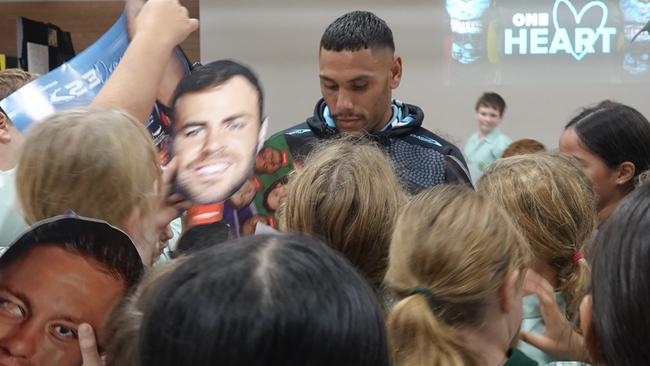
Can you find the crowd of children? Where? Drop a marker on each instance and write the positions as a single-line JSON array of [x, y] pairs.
[[355, 238]]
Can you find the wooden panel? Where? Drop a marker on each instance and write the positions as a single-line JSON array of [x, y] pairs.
[[86, 21]]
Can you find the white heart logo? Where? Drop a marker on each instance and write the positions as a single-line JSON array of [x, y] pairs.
[[578, 18]]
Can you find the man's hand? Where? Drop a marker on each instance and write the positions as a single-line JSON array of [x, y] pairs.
[[560, 338]]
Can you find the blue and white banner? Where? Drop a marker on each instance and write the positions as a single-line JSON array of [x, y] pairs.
[[75, 83]]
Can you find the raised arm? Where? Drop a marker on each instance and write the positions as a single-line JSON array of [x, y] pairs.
[[133, 86]]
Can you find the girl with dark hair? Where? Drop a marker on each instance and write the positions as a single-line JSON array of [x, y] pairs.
[[615, 316], [263, 300], [612, 142]]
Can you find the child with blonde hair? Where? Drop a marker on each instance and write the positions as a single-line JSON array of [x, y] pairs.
[[348, 195], [552, 203], [102, 164], [458, 276]]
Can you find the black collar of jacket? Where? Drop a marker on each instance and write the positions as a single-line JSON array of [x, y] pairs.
[[320, 128]]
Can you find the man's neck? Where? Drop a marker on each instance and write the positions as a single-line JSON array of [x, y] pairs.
[[388, 117]]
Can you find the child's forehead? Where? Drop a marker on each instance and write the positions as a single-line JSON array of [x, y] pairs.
[[488, 107]]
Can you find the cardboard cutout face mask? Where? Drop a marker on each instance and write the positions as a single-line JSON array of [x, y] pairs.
[[44, 297], [217, 131], [63, 272]]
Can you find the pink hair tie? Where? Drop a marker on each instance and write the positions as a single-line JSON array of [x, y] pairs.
[[577, 257]]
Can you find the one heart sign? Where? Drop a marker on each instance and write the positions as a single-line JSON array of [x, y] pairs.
[[578, 19]]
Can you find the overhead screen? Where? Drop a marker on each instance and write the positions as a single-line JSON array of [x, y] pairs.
[[546, 42]]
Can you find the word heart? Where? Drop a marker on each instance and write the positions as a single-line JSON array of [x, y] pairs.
[[532, 33]]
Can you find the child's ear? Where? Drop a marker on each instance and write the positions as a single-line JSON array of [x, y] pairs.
[[5, 134], [625, 172], [508, 298]]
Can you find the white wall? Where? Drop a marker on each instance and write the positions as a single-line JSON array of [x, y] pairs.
[[279, 39]]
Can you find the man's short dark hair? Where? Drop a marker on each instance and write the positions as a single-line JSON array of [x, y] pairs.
[[355, 31], [214, 74], [492, 100], [89, 238]]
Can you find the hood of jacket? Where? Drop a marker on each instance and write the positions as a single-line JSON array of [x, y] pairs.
[[406, 119]]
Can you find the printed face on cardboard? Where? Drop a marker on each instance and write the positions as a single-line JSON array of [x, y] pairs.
[[44, 297], [276, 195], [245, 195], [216, 134], [269, 160]]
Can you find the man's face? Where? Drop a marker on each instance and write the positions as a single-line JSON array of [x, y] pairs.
[[488, 118], [357, 87], [44, 297], [268, 160], [215, 139]]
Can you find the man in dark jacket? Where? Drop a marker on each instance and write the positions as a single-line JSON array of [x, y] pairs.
[[358, 72]]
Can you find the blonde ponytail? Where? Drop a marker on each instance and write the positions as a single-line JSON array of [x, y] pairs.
[[418, 338], [573, 283], [451, 251]]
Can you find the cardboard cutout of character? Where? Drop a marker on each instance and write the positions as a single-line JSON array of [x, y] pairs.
[[280, 155], [275, 194], [61, 273], [218, 129]]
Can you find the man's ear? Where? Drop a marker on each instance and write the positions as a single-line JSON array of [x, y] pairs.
[[5, 135], [625, 172], [396, 72], [261, 136], [508, 292]]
